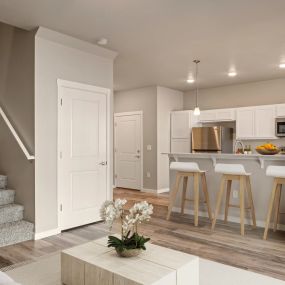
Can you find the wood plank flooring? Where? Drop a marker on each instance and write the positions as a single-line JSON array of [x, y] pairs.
[[29, 251], [224, 245]]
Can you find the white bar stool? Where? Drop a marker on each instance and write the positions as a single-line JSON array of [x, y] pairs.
[[278, 172], [229, 173], [186, 170]]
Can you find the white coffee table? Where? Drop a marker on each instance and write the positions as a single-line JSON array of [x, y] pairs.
[[94, 263]]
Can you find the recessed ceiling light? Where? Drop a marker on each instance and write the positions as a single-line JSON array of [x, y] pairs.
[[102, 41], [190, 80], [282, 65], [232, 74]]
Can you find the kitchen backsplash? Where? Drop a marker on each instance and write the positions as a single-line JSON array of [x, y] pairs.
[[253, 143]]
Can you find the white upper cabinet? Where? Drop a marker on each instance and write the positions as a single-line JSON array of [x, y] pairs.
[[245, 123], [265, 122], [207, 116], [219, 115], [180, 124], [256, 122], [280, 110], [225, 115]]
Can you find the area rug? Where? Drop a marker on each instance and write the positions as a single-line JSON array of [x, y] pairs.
[[47, 272]]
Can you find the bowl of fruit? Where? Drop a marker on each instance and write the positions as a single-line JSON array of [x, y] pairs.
[[267, 149]]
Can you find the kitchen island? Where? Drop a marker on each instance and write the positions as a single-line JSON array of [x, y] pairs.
[[254, 163]]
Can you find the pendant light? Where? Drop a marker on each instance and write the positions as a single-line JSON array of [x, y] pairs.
[[197, 109]]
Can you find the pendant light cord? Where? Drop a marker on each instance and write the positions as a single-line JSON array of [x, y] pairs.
[[196, 61]]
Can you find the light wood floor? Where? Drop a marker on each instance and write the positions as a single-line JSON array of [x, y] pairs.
[[224, 245]]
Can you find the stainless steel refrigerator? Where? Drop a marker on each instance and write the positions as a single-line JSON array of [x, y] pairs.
[[212, 139]]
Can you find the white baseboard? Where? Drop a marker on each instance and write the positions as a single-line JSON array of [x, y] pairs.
[[45, 234], [152, 191], [162, 190], [155, 191], [230, 218]]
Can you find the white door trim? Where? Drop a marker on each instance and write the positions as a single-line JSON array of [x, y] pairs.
[[142, 146], [107, 93]]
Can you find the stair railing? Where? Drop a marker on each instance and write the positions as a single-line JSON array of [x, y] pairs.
[[14, 133]]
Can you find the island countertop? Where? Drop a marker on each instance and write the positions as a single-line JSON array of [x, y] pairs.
[[255, 164], [228, 156]]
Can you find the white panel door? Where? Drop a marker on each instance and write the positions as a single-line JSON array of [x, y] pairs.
[[128, 152], [82, 171], [265, 122]]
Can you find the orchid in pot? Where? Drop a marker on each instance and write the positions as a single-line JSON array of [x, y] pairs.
[[130, 243]]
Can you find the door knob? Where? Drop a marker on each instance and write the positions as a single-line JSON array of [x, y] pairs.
[[137, 156], [103, 163]]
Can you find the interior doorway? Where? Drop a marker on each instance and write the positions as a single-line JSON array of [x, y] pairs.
[[128, 150]]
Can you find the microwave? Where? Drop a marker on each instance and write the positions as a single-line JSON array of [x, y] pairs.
[[280, 127]]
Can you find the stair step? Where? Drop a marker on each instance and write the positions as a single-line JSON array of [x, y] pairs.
[[15, 232], [3, 181], [7, 197], [11, 213]]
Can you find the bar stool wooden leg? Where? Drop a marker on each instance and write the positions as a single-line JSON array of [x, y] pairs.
[[271, 202], [229, 188], [242, 187], [249, 193], [218, 203], [277, 206], [173, 194], [185, 179], [196, 198], [206, 194]]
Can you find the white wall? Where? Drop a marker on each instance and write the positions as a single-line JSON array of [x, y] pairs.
[[59, 56], [167, 100]]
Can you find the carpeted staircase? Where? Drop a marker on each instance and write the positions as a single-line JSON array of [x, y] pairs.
[[13, 228]]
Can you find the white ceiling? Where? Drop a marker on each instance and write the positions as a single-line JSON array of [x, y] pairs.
[[157, 40]]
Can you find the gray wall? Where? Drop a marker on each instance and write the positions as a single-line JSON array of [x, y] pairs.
[[240, 95], [54, 59], [17, 100], [143, 99]]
